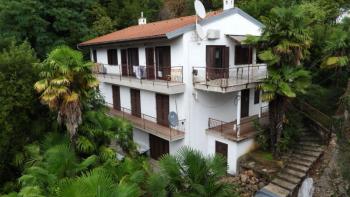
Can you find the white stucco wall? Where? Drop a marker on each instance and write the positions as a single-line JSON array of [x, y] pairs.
[[141, 138], [193, 105]]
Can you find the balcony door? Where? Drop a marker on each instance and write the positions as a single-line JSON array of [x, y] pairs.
[[150, 63], [135, 102], [133, 59], [243, 55], [158, 147], [163, 62], [116, 97], [162, 105], [245, 103], [217, 59]]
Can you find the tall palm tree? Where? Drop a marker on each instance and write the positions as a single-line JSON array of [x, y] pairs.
[[285, 43], [65, 82], [190, 173]]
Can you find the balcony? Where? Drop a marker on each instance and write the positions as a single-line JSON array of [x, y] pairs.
[[245, 130], [149, 124], [225, 80], [166, 80]]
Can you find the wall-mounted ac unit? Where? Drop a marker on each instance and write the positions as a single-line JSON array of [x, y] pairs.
[[213, 34]]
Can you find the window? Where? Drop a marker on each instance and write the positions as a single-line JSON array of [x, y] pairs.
[[94, 56], [243, 55], [112, 56], [256, 96]]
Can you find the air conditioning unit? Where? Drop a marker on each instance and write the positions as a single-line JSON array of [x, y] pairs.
[[213, 34]]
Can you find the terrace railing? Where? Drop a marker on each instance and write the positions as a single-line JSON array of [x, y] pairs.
[[169, 74], [246, 128], [149, 123], [226, 77]]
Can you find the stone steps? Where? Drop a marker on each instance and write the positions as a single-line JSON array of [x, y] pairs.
[[298, 167], [288, 177], [301, 162], [303, 157], [284, 184]]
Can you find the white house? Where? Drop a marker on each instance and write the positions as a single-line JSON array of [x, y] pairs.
[[207, 85]]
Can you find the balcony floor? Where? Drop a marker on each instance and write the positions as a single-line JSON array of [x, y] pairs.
[[247, 129], [160, 86], [150, 126], [226, 85]]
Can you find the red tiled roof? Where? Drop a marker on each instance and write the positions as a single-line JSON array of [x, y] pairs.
[[151, 30]]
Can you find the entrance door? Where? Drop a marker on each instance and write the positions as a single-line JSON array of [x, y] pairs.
[[116, 97], [217, 58], [150, 63], [133, 60], [221, 148], [135, 102], [162, 105], [158, 146], [245, 103], [124, 62], [163, 62]]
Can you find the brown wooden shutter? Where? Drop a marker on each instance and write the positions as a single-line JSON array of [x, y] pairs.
[[116, 97], [150, 63], [135, 102], [124, 62], [162, 107], [210, 60], [226, 57]]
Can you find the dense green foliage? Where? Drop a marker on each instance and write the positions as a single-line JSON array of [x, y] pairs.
[[22, 118], [302, 43]]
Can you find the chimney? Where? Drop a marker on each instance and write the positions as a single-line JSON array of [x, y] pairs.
[[142, 20], [228, 4]]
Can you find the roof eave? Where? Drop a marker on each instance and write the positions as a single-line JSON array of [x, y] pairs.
[[121, 41]]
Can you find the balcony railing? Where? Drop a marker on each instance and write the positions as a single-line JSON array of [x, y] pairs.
[[246, 129], [228, 77], [168, 74], [149, 124]]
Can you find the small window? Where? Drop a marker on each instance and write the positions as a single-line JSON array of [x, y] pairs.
[[112, 56], [243, 55], [256, 96], [94, 56]]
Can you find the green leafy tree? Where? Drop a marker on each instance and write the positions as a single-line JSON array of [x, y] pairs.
[[190, 173], [285, 43], [65, 83], [22, 118]]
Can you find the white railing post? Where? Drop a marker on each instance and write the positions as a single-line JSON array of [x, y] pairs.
[[238, 115]]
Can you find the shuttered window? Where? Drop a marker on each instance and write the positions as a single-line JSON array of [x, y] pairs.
[[112, 56], [256, 96], [243, 55]]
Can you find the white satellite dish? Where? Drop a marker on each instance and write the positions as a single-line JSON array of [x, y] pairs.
[[200, 31], [200, 9], [173, 119]]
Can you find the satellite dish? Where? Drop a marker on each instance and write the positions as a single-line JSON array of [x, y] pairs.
[[200, 9], [200, 31], [173, 119]]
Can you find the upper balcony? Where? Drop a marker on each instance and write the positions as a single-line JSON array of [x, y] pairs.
[[238, 132], [149, 124], [165, 80], [225, 80]]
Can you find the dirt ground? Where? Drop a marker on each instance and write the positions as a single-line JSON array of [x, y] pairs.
[[327, 177]]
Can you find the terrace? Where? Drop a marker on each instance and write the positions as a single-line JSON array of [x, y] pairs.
[[224, 80], [238, 132], [165, 80], [149, 124]]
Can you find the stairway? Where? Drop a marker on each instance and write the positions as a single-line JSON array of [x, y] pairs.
[[290, 178]]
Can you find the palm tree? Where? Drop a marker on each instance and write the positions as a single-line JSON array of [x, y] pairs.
[[66, 81], [190, 173], [285, 43]]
